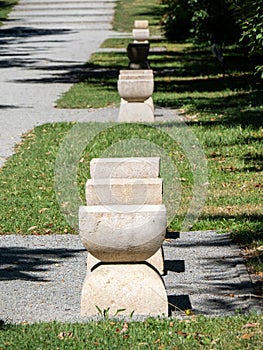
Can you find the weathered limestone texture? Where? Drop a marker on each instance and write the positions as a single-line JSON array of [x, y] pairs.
[[156, 261], [122, 233], [135, 90], [126, 191], [123, 227], [134, 287], [128, 168]]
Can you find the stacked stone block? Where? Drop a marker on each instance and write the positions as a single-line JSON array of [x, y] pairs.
[[135, 86], [123, 226]]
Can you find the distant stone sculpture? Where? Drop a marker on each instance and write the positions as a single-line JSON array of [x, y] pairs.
[[137, 54], [123, 226], [138, 50], [135, 88]]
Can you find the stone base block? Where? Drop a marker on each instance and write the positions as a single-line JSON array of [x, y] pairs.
[[123, 191], [156, 261], [135, 112], [149, 102], [136, 288], [131, 168]]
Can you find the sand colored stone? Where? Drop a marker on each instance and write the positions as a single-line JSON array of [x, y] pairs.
[[135, 89], [124, 240], [141, 34], [141, 24], [123, 191], [156, 261], [128, 168], [133, 287], [145, 73], [122, 233], [135, 112]]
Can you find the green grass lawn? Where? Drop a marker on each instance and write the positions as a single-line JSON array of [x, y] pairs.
[[229, 333], [5, 7], [126, 12]]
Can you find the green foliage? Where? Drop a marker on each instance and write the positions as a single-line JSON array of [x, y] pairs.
[[176, 19], [249, 16], [200, 20], [212, 21], [5, 7], [217, 21]]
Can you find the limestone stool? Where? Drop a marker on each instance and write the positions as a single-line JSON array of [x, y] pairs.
[[138, 50], [135, 88], [122, 180], [122, 227]]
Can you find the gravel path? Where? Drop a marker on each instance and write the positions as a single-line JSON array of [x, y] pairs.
[[41, 277]]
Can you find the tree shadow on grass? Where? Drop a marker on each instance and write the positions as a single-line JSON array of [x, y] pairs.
[[242, 108]]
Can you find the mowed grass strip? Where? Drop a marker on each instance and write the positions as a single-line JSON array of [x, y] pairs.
[[126, 12], [28, 197], [228, 333]]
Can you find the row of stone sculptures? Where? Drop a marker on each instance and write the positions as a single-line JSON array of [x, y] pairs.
[[135, 86], [123, 223]]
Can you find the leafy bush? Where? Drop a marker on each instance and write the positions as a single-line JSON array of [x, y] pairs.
[[200, 20]]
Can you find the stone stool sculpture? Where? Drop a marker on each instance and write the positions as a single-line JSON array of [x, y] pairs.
[[123, 225], [135, 88], [138, 50]]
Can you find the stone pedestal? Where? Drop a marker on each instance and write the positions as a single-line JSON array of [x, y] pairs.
[[136, 288], [123, 227], [135, 88]]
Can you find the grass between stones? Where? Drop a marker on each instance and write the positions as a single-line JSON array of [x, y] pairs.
[[232, 333]]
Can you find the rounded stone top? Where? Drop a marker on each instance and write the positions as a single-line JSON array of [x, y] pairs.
[[122, 233]]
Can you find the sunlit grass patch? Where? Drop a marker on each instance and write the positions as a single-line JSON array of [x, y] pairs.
[[230, 333]]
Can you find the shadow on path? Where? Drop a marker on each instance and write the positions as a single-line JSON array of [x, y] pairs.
[[18, 263]]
